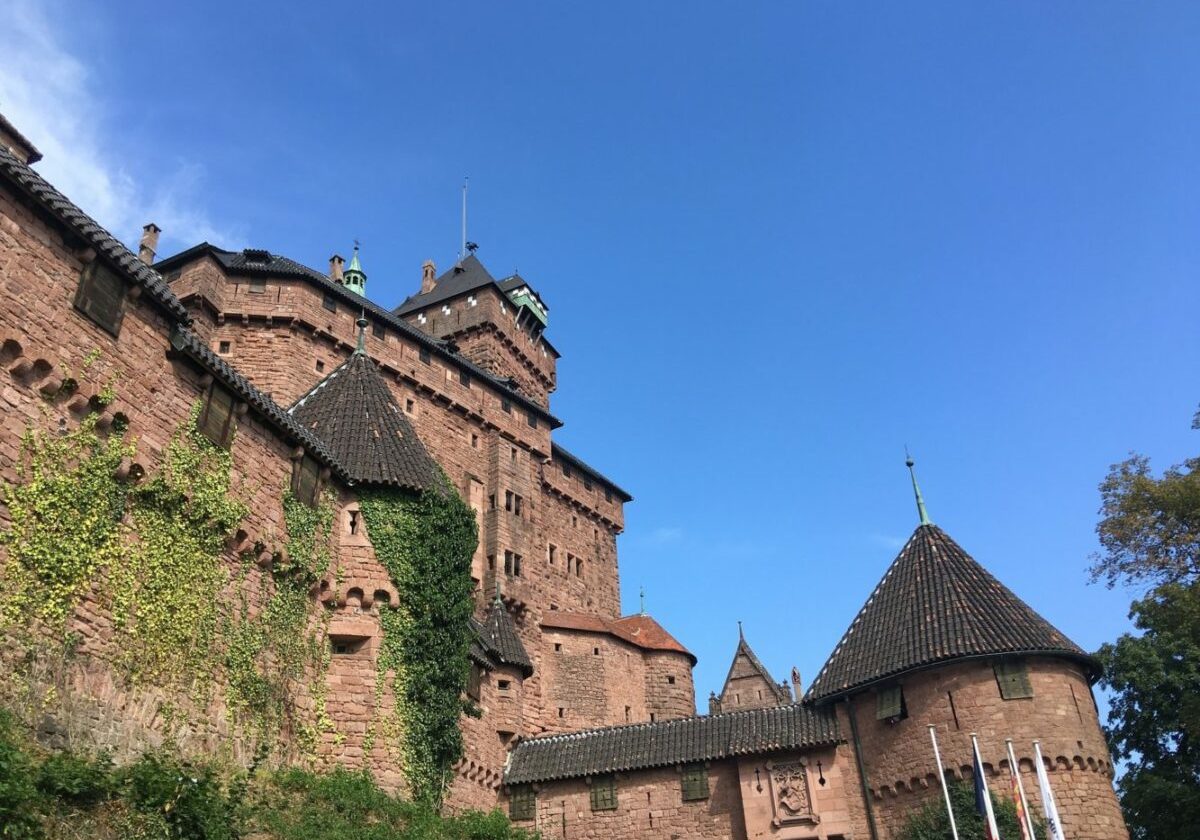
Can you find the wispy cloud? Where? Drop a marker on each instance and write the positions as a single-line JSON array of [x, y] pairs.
[[887, 541], [50, 95]]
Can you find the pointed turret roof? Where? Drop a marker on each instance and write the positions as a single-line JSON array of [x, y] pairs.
[[499, 637], [354, 414], [934, 605]]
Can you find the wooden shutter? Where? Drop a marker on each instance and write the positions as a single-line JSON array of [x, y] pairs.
[[522, 802], [1013, 679], [604, 793], [695, 782], [217, 419], [100, 296], [306, 479], [890, 703]]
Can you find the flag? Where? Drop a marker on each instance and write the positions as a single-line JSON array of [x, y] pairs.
[[1053, 824], [983, 802], [1016, 797]]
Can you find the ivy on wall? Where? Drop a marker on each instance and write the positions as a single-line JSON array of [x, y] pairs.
[[425, 542]]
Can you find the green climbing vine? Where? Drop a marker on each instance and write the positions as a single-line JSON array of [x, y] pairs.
[[66, 508], [166, 591], [425, 541]]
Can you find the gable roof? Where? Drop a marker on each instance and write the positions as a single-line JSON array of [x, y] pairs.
[[354, 414], [664, 743], [936, 604], [8, 128], [462, 278], [107, 246], [639, 630], [743, 649], [253, 261], [498, 635]]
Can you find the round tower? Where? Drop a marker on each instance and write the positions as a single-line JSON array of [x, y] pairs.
[[942, 643]]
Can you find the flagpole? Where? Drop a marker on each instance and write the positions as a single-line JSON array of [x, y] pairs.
[[942, 775], [993, 831], [1015, 768], [1049, 808]]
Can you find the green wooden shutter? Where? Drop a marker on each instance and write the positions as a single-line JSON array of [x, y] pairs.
[[604, 793], [1013, 679], [889, 703], [522, 802], [695, 782], [100, 295]]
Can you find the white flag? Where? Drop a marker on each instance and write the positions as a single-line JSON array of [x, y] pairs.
[[1053, 824]]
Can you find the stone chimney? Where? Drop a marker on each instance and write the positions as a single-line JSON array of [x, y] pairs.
[[149, 244], [428, 277], [18, 143], [797, 685], [335, 268]]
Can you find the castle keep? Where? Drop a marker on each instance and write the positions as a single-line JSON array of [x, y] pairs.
[[584, 719]]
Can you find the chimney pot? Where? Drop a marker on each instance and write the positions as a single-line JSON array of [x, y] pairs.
[[335, 268], [149, 243], [428, 277]]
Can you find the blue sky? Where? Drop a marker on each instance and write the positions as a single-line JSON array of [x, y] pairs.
[[779, 242]]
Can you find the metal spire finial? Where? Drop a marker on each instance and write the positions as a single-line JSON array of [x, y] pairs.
[[741, 635], [916, 489], [642, 599], [361, 349]]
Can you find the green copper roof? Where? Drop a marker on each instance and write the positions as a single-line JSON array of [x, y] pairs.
[[354, 278]]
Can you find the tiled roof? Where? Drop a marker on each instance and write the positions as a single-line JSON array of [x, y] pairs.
[[935, 604], [459, 280], [186, 342], [257, 261], [499, 637], [638, 630], [743, 649], [354, 414], [107, 246], [11, 130], [665, 743], [557, 451]]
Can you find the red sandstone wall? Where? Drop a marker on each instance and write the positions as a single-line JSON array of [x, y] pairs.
[[669, 689], [1061, 714]]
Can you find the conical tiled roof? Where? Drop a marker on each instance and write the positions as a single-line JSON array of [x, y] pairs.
[[353, 413], [499, 637], [935, 604]]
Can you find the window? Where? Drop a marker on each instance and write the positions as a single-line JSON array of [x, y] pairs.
[[330, 303], [409, 405], [223, 347], [320, 366], [508, 500], [1013, 678], [670, 681], [566, 470], [306, 479], [553, 552], [352, 522], [595, 651], [423, 355], [474, 441], [522, 803], [100, 296], [890, 704], [379, 330], [531, 419], [695, 782], [604, 793], [558, 647], [512, 564], [258, 285], [587, 484], [491, 501], [464, 379], [216, 420], [512, 454], [505, 405], [503, 685], [578, 567], [607, 495]]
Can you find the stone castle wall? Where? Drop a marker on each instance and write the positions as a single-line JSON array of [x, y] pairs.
[[963, 698]]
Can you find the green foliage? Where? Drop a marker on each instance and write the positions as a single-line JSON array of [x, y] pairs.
[[166, 589], [930, 822], [1150, 527], [66, 508], [425, 542], [162, 797], [1154, 714], [18, 794]]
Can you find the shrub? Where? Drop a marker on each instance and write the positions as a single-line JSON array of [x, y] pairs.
[[18, 794], [931, 823], [76, 779]]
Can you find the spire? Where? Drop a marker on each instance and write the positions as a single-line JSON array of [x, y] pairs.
[[354, 278], [642, 600], [741, 635], [361, 323], [916, 489]]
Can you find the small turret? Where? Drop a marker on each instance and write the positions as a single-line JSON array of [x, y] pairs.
[[354, 278]]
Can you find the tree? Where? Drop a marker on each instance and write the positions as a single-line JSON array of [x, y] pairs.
[[1155, 713], [1150, 535], [931, 823]]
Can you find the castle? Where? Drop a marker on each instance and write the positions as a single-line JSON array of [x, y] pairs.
[[587, 723]]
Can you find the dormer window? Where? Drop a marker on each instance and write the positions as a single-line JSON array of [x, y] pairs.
[[101, 296], [217, 420]]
